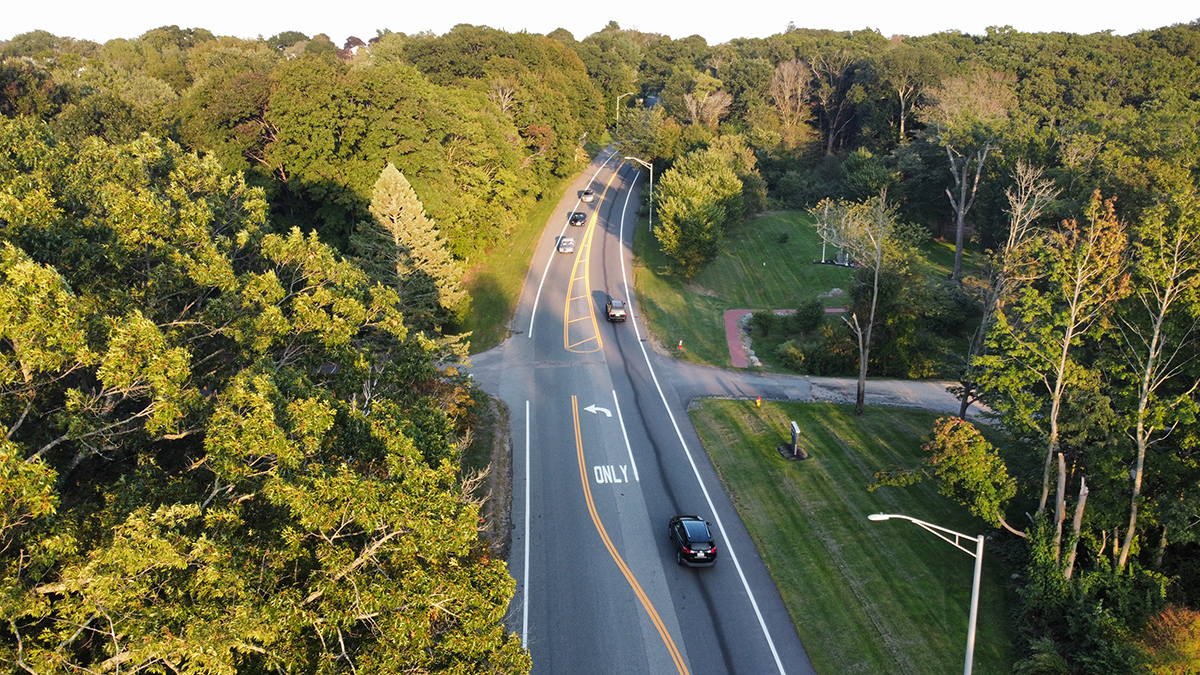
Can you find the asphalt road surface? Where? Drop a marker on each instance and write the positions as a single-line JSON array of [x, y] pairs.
[[603, 455]]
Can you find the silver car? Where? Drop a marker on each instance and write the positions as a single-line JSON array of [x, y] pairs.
[[566, 245]]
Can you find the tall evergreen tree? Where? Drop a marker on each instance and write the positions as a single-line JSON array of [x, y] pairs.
[[402, 249]]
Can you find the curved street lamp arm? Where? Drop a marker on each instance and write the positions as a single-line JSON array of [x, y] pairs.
[[937, 530]]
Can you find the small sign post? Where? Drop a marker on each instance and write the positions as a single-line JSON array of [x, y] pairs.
[[795, 439]]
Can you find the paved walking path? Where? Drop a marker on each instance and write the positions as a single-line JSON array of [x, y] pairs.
[[692, 381]]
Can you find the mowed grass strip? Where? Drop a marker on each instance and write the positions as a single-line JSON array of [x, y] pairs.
[[756, 270], [495, 283], [866, 597]]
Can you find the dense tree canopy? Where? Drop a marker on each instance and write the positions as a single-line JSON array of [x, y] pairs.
[[222, 450], [196, 380]]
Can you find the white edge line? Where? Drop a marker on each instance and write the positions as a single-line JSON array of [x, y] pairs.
[[545, 272], [621, 421], [745, 584], [525, 583]]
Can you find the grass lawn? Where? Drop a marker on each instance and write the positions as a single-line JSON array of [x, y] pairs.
[[495, 284], [674, 309], [866, 597], [940, 253]]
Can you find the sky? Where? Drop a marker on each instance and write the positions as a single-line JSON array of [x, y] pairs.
[[717, 22]]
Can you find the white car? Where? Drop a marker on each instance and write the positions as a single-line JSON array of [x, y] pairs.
[[566, 245], [589, 195]]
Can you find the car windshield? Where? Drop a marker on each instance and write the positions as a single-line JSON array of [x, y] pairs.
[[697, 531]]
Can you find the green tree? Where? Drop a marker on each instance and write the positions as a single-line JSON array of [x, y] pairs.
[[1156, 341], [907, 69], [222, 452], [1032, 360], [696, 201], [967, 469], [402, 249]]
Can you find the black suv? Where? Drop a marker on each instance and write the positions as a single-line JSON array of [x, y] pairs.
[[577, 218], [694, 545]]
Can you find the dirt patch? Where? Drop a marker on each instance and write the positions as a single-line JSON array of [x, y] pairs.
[[700, 290], [495, 514], [785, 451], [655, 344]]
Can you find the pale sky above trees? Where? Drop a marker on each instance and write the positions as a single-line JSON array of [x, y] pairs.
[[102, 21]]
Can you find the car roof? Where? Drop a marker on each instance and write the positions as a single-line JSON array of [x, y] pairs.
[[617, 303], [697, 530]]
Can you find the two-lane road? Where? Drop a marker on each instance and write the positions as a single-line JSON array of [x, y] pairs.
[[604, 454]]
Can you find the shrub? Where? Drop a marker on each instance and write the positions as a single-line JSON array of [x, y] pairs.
[[783, 237], [809, 316], [791, 355], [951, 310], [836, 353], [754, 193], [764, 321]]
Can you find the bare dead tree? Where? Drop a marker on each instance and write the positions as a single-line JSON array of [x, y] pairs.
[[707, 108], [503, 94], [865, 229], [832, 70], [1006, 269], [964, 112], [791, 90], [960, 168]]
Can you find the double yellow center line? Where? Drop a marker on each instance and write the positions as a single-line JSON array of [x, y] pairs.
[[612, 550], [582, 256]]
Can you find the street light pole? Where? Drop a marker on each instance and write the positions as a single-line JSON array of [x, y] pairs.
[[617, 110], [651, 167], [941, 533]]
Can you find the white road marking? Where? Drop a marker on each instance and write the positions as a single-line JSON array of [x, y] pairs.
[[728, 545], [525, 583], [621, 420], [595, 409], [533, 310], [607, 473]]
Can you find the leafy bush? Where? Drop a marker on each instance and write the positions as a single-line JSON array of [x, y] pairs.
[[791, 355], [835, 353], [801, 188], [754, 193], [864, 175], [783, 238], [951, 310], [1085, 623], [763, 320], [809, 316]]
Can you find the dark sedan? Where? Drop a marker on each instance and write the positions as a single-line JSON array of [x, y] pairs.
[[693, 540], [577, 218]]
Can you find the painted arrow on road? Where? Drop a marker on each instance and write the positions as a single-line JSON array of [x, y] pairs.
[[597, 409]]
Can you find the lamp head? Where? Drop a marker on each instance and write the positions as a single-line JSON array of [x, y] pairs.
[[878, 516]]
